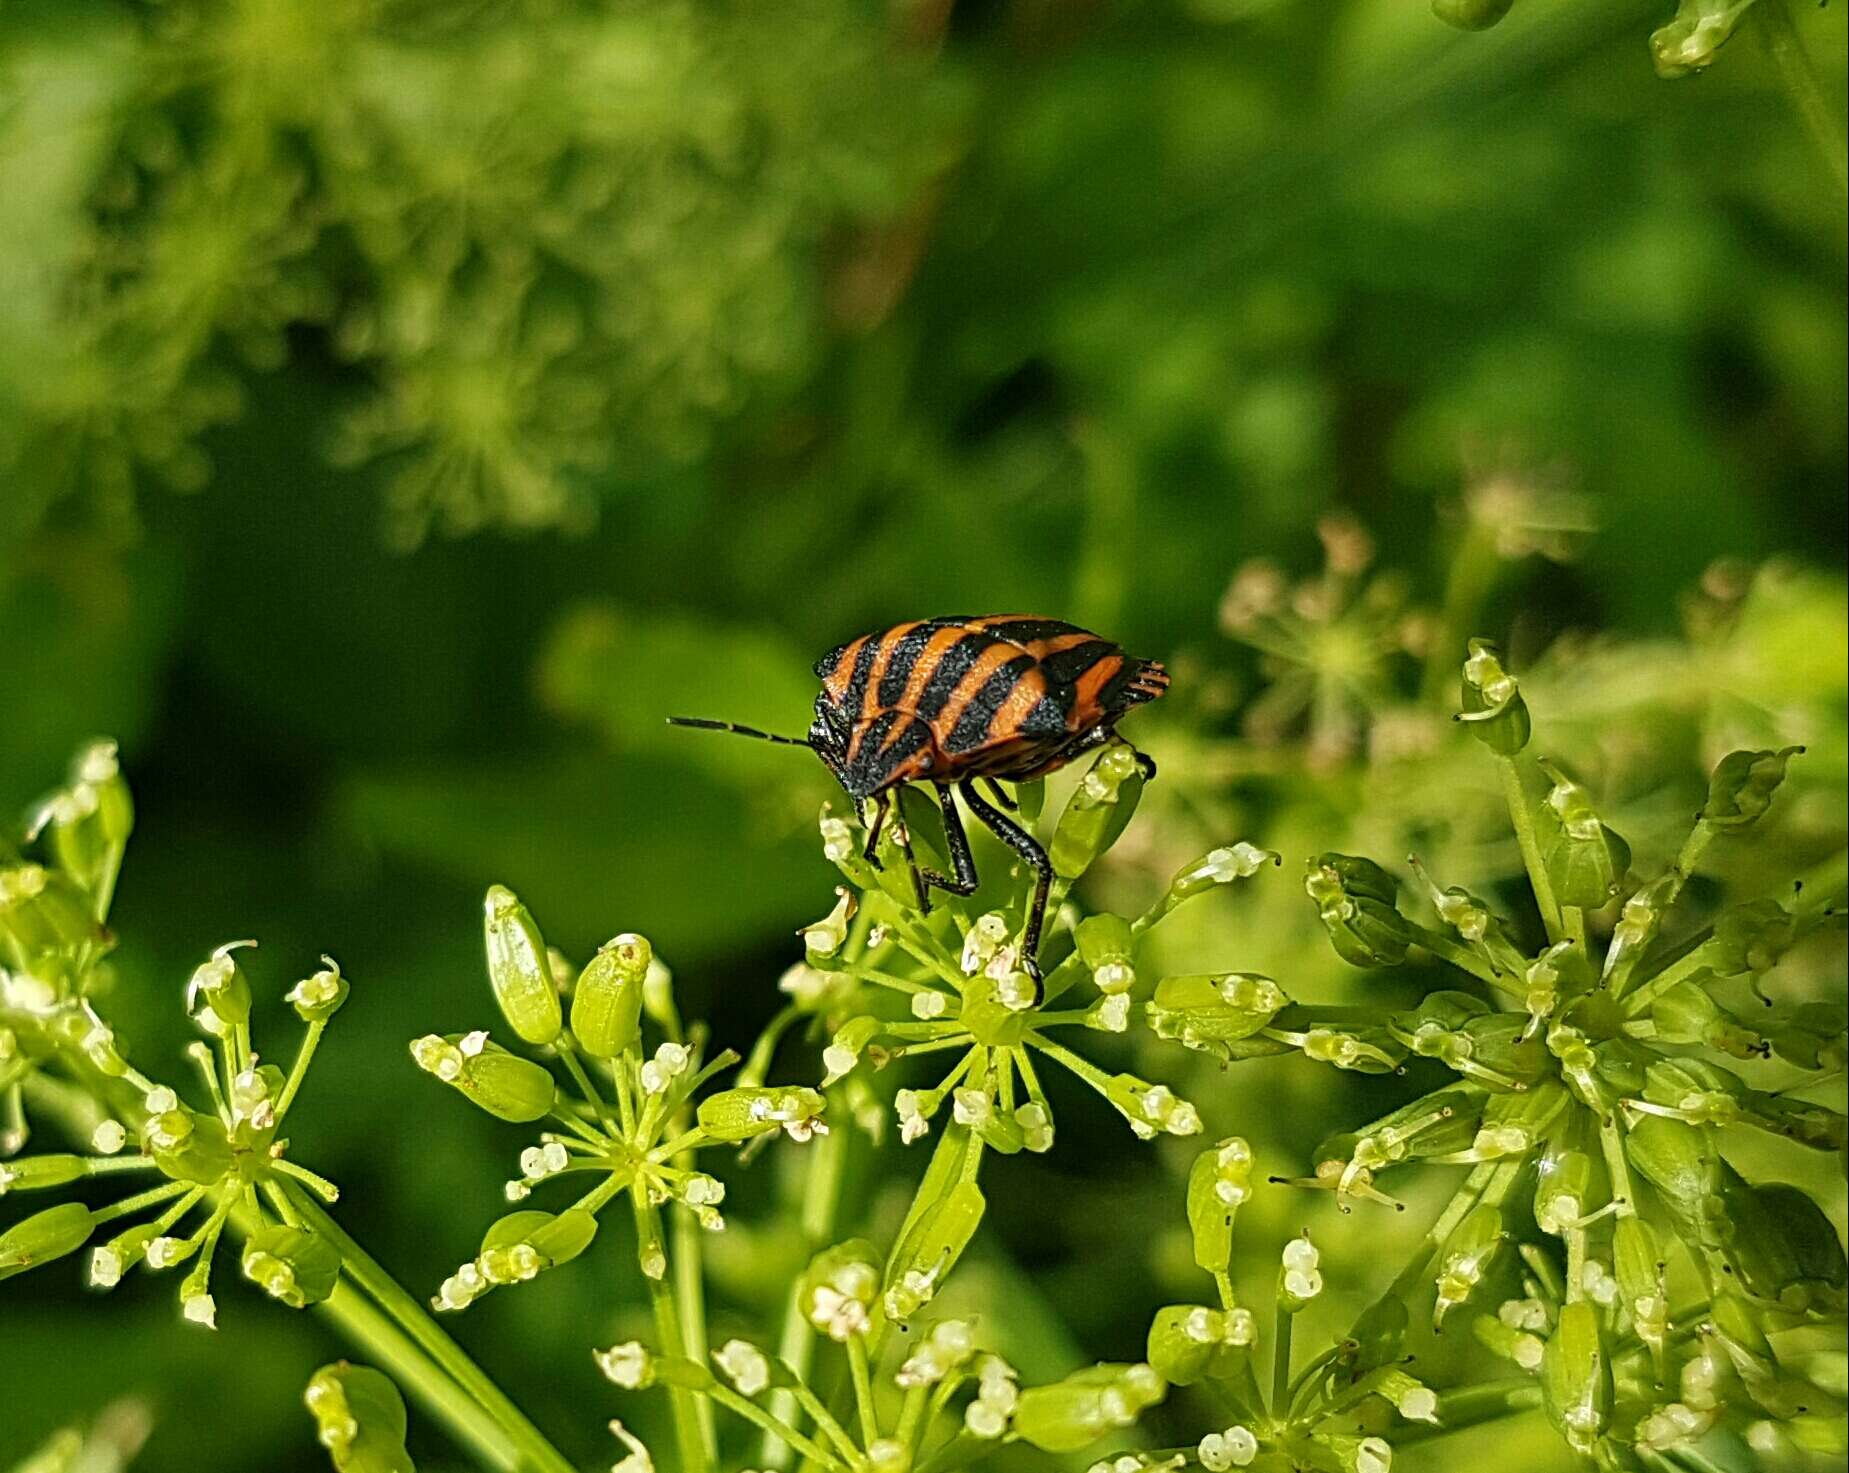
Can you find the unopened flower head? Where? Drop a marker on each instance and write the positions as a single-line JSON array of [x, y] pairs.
[[744, 1365], [1235, 1447]]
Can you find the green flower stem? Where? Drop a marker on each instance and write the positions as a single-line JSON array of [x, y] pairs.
[[1611, 1141], [153, 1197], [690, 1292], [826, 1421], [796, 1340], [688, 1434], [368, 1327], [536, 1454], [1772, 18], [421, 1378], [1573, 919], [756, 1068], [304, 1056], [575, 1068], [911, 1415], [1523, 820], [863, 1389], [1471, 1406], [776, 1430], [1466, 960], [1280, 1362]]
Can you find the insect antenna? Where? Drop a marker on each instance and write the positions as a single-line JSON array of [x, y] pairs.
[[704, 724]]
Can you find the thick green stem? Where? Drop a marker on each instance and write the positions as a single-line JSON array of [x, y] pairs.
[[1280, 1362], [688, 1434], [422, 1379], [536, 1454], [1772, 19], [796, 1341]]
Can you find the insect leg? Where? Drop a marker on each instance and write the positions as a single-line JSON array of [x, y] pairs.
[[1146, 765], [963, 882], [869, 851], [902, 835], [1000, 795], [1025, 845]]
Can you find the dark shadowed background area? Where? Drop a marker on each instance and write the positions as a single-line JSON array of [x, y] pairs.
[[404, 406]]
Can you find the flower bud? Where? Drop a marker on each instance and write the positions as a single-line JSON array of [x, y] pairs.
[[1212, 1011], [292, 1264], [837, 1293], [606, 1004], [740, 1114], [931, 1248], [1576, 1386], [1085, 1406], [750, 1371], [359, 1418], [1742, 786], [1105, 946], [827, 936], [519, 970], [1563, 1189], [947, 1347], [1637, 1263], [1220, 1452], [187, 1145], [1356, 899], [844, 1050], [1510, 1342], [504, 1084], [1188, 1342], [1221, 866], [1097, 812], [522, 1245], [629, 1365], [1219, 1183], [1586, 861], [1467, 1257], [1686, 1014], [1680, 1162], [44, 915], [1300, 1278], [36, 1173], [318, 996], [44, 1236], [1493, 706], [1750, 938], [1471, 15], [218, 996], [1151, 1108], [87, 823]]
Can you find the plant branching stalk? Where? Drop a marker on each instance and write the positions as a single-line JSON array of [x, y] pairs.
[[1523, 820], [689, 1438], [796, 1340], [536, 1454]]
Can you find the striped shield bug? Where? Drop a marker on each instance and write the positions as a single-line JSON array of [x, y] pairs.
[[1000, 698]]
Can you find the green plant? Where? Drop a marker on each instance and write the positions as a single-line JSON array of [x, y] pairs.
[[1586, 1108]]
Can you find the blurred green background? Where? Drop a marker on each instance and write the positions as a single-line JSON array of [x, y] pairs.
[[405, 404]]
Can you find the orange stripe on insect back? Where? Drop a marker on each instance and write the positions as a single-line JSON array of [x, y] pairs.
[[839, 678], [1085, 691], [987, 663], [936, 647], [882, 657], [1027, 693]]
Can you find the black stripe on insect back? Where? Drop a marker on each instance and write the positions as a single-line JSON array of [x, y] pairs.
[[950, 670], [1025, 631], [972, 727], [857, 683], [1063, 670], [905, 655]]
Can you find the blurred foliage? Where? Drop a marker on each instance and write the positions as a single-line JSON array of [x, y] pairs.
[[754, 327]]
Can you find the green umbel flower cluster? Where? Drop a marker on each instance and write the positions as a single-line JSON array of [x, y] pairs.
[[218, 1167], [1594, 1077]]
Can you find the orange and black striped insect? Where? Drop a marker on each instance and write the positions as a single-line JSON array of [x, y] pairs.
[[1003, 698]]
